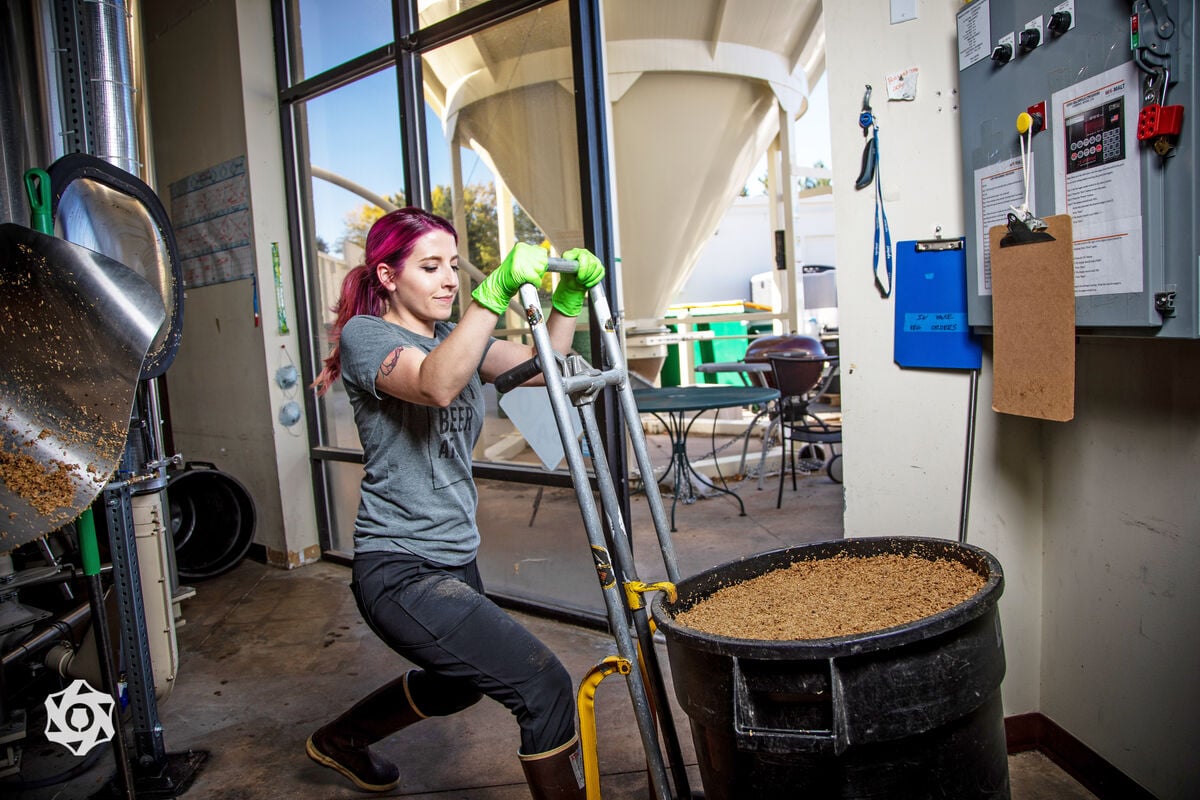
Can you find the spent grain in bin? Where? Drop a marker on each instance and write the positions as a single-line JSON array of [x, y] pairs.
[[904, 712]]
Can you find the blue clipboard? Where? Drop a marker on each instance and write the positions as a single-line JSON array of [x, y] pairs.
[[931, 307]]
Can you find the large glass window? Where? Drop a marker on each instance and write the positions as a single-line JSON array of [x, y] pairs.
[[500, 156], [504, 164], [354, 165], [503, 158], [333, 33], [351, 145], [474, 109], [432, 11]]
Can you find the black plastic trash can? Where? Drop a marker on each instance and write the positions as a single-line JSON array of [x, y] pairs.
[[911, 711], [212, 520]]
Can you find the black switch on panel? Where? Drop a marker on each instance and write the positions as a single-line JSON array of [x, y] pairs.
[[1060, 23], [1030, 38], [1002, 54]]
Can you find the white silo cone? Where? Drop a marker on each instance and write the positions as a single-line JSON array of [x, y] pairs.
[[696, 91]]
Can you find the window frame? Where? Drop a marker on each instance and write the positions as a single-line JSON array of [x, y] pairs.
[[405, 53]]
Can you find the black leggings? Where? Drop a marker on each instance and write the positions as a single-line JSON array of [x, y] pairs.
[[438, 618]]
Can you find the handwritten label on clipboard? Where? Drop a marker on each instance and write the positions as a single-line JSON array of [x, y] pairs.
[[951, 322]]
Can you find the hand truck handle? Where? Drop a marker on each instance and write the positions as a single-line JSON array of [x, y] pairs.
[[511, 379], [522, 372], [562, 265]]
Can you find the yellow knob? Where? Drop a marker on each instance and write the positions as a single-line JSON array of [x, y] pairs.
[[1024, 122]]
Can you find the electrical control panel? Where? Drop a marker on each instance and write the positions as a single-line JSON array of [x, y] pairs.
[[1087, 108]]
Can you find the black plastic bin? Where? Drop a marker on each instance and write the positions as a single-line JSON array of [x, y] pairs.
[[212, 520], [911, 711]]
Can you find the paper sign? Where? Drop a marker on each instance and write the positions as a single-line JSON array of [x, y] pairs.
[[974, 33], [902, 85], [999, 188], [1097, 179], [210, 211]]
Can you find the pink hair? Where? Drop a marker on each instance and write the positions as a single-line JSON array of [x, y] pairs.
[[390, 241]]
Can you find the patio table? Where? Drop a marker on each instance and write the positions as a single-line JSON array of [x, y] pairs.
[[671, 407], [743, 367]]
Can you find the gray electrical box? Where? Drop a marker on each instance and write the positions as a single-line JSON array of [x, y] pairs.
[[1110, 87]]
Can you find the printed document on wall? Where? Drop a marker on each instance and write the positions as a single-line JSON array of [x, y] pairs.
[[1098, 179], [974, 33], [999, 189]]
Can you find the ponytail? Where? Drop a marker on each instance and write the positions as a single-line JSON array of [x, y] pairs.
[[362, 293]]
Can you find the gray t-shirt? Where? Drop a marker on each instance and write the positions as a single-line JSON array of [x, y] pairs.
[[417, 494]]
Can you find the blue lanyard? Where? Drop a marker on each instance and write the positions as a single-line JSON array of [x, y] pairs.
[[881, 214], [868, 173]]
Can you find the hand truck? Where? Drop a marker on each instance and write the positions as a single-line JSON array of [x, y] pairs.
[[572, 380]]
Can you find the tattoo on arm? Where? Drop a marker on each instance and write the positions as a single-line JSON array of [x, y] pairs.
[[390, 362]]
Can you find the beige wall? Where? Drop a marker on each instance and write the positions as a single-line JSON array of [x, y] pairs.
[[211, 90], [1122, 555], [1095, 521]]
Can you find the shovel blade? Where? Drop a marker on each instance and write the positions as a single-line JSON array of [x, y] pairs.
[[76, 326]]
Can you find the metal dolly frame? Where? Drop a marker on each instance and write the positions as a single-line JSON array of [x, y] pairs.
[[571, 380]]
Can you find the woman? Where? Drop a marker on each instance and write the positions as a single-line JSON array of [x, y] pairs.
[[415, 382]]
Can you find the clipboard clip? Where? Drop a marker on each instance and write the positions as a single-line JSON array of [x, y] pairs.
[[1027, 231], [937, 243]]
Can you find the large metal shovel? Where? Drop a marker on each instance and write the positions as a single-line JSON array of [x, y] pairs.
[[78, 325], [75, 326]]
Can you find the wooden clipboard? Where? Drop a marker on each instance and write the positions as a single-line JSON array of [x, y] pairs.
[[1033, 323]]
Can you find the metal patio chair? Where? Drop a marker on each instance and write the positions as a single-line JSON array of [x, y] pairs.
[[801, 380]]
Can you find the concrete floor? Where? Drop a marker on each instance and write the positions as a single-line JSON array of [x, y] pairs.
[[268, 655]]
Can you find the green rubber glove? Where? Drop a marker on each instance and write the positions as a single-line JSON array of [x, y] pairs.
[[524, 264], [572, 288]]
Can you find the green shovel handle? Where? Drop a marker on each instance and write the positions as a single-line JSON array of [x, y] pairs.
[[89, 548], [37, 186], [41, 219]]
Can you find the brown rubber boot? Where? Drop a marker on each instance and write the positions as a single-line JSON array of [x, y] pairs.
[[556, 774], [343, 744]]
